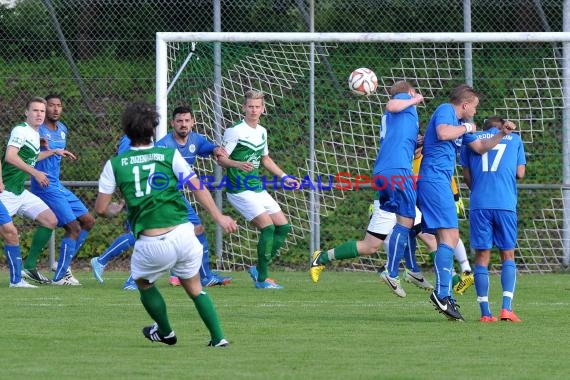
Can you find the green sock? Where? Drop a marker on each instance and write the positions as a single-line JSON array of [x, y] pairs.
[[432, 256], [39, 242], [207, 312], [156, 307], [279, 237], [344, 251], [264, 247]]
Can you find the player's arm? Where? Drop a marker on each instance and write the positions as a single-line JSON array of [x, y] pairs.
[[203, 196], [398, 105], [229, 143], [521, 171], [274, 169], [208, 148], [13, 159], [103, 205], [467, 177], [485, 145], [60, 152], [448, 132]]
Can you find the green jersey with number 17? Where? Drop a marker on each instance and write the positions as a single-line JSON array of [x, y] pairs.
[[149, 185]]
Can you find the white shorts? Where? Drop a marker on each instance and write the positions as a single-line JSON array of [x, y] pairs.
[[382, 222], [251, 204], [177, 251], [26, 204]]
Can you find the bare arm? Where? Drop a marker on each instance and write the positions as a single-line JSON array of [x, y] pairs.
[[13, 159], [270, 165], [227, 162], [521, 171], [60, 152], [483, 146], [467, 177], [398, 105], [451, 132], [205, 198], [104, 206]]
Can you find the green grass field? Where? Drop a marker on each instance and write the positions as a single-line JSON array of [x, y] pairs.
[[348, 326]]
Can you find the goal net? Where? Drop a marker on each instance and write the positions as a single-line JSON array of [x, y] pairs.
[[520, 81]]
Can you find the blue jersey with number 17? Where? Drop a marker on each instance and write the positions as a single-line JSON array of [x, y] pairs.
[[493, 174], [398, 138]]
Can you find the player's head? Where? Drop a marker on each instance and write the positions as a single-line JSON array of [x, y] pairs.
[[402, 87], [253, 106], [465, 100], [182, 121], [493, 122], [53, 107], [139, 120], [35, 111]]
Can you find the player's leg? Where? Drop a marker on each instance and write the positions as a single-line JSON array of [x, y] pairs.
[[412, 272], [186, 269], [440, 214], [12, 250], [505, 235], [253, 207], [464, 280], [381, 222], [152, 257], [82, 214], [481, 233], [118, 246]]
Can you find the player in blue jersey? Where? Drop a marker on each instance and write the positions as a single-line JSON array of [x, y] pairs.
[[444, 135], [191, 144], [70, 211], [394, 178], [493, 218]]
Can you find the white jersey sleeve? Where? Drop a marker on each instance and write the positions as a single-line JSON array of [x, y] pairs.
[[230, 139], [17, 137], [107, 183], [182, 169]]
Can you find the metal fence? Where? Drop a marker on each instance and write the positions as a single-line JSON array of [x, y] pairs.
[[100, 55]]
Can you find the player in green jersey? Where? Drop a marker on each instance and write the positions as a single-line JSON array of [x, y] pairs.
[[148, 178], [246, 144]]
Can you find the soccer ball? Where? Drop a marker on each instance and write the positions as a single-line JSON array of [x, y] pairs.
[[362, 81]]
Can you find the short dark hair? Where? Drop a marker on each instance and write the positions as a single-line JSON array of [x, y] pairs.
[[180, 110], [463, 93], [493, 122], [139, 121], [53, 96]]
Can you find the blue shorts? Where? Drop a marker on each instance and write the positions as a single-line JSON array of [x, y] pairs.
[[488, 227], [396, 191], [4, 215], [436, 202], [64, 204], [192, 215]]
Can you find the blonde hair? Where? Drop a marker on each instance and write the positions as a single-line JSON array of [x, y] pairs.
[[252, 94], [463, 93]]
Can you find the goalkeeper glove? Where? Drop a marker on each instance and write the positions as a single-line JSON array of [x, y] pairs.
[[460, 208], [370, 210]]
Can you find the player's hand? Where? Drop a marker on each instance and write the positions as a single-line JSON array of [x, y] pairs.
[[246, 166], [114, 208], [1, 185], [44, 143], [219, 152], [508, 127], [42, 178], [227, 223], [291, 182], [65, 153], [418, 98], [460, 207]]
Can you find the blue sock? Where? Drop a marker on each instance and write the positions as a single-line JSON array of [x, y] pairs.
[[205, 271], [443, 270], [508, 282], [120, 245], [481, 275], [80, 240], [14, 261], [396, 247], [66, 252], [410, 253]]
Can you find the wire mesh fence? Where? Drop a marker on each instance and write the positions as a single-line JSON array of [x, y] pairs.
[[100, 55]]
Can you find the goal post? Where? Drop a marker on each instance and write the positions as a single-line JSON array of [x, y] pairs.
[[525, 75]]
